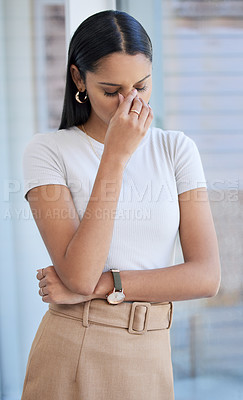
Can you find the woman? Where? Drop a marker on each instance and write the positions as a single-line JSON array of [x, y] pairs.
[[109, 192]]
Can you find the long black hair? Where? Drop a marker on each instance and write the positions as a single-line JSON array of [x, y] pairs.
[[98, 36]]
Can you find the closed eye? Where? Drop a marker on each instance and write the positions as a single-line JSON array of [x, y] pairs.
[[111, 93], [117, 91]]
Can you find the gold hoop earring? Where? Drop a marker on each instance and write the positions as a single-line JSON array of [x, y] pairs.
[[78, 99]]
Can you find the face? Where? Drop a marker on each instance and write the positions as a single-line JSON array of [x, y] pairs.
[[117, 73]]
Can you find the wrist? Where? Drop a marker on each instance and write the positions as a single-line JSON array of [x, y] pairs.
[[104, 285], [114, 163], [123, 275], [116, 295]]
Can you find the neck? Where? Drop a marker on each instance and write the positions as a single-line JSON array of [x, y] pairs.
[[96, 129]]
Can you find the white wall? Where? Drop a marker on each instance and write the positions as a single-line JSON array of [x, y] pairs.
[[9, 345], [22, 249], [203, 81], [150, 14], [77, 11], [17, 125]]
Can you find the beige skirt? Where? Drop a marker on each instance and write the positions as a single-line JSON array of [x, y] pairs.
[[98, 351]]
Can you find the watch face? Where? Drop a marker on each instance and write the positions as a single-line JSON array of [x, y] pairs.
[[116, 297]]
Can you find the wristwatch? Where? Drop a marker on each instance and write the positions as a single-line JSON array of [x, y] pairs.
[[116, 296]]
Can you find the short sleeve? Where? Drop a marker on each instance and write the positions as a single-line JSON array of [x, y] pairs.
[[189, 171], [42, 164]]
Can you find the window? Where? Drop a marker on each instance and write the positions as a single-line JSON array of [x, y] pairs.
[[50, 60], [206, 8]]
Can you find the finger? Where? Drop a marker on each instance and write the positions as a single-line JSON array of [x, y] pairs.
[[42, 282], [144, 112], [121, 98], [136, 106], [43, 291], [50, 268], [126, 104], [149, 119], [40, 273], [46, 299]]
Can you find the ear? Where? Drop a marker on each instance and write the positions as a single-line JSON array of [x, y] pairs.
[[79, 82]]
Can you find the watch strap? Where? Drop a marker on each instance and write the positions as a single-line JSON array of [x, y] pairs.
[[117, 279]]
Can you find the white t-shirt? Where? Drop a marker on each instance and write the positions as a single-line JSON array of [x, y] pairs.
[[146, 222]]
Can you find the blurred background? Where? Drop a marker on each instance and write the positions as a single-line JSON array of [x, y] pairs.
[[197, 88]]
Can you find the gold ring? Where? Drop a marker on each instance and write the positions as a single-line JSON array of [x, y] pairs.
[[135, 111]]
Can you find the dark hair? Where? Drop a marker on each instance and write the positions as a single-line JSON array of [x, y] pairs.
[[98, 36]]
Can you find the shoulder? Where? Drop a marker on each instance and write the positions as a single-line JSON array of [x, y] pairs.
[[170, 137], [43, 162], [50, 143], [171, 141], [51, 139], [44, 148], [181, 152]]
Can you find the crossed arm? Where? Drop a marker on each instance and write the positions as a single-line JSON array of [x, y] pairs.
[[71, 247]]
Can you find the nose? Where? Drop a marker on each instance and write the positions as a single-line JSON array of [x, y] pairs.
[[125, 92]]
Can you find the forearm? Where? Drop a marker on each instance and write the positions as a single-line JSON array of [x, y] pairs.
[[79, 249], [89, 247], [190, 280]]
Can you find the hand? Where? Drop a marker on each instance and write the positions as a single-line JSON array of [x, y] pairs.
[[54, 291], [104, 285], [126, 129]]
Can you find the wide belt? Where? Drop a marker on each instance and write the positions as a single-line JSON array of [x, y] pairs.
[[137, 317]]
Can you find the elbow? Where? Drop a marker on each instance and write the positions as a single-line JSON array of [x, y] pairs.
[[213, 283], [83, 290], [213, 290], [81, 286], [86, 291], [76, 282]]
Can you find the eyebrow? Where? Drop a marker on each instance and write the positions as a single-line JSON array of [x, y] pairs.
[[117, 84]]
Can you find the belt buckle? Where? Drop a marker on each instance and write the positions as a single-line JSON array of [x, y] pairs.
[[133, 309]]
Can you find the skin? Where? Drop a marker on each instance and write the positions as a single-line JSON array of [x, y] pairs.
[[71, 243], [126, 72]]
